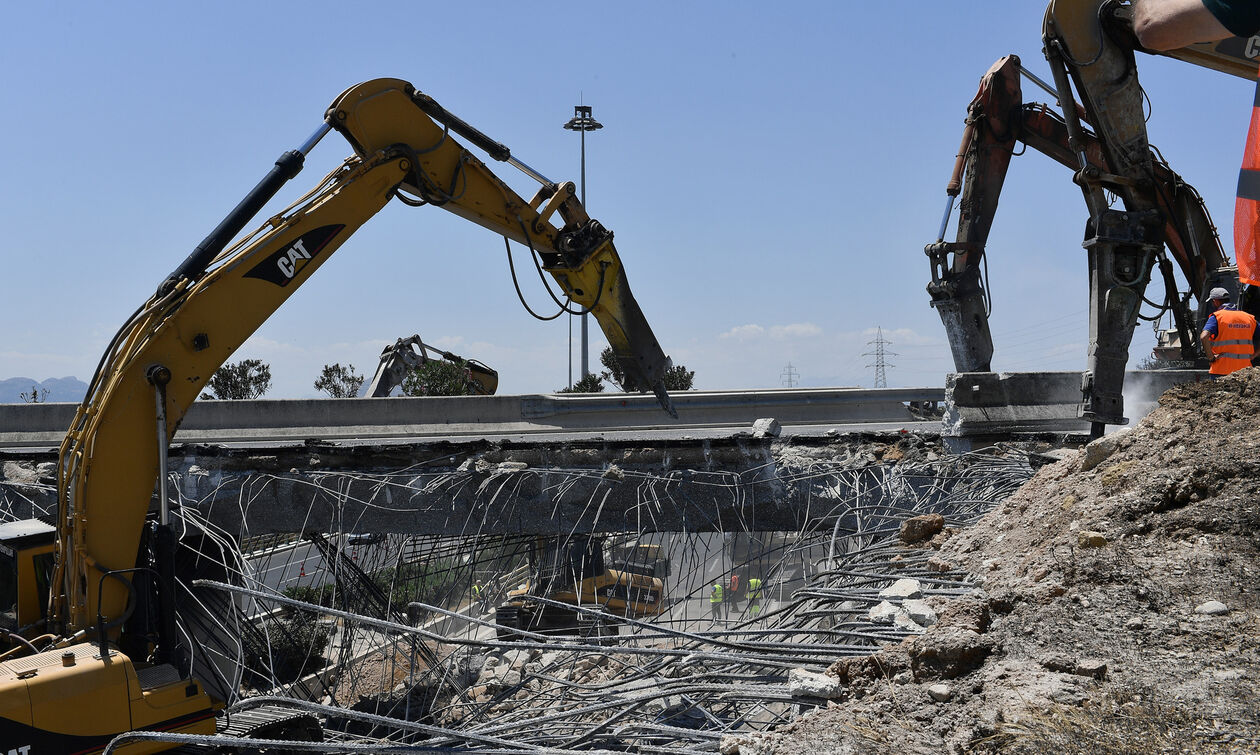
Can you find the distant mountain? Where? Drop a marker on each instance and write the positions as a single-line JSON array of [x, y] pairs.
[[60, 390]]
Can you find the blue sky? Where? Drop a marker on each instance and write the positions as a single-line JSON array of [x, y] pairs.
[[771, 173]]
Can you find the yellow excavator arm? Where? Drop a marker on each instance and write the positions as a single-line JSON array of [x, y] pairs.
[[163, 356]]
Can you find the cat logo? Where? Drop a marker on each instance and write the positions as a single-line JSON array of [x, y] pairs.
[[288, 265], [282, 266], [23, 750]]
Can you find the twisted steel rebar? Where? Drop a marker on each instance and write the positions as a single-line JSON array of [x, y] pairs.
[[280, 623]]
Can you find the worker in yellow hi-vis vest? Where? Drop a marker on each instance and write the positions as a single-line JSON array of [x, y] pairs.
[[716, 597], [754, 596]]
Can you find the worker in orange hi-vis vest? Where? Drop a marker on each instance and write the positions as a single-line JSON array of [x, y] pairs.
[[1164, 25], [1227, 336]]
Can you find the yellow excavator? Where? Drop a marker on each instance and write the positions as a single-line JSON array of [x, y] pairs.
[[407, 354], [1092, 53], [82, 666], [574, 573]]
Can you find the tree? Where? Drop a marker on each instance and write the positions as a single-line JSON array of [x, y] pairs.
[[588, 384], [338, 381], [36, 396], [612, 368], [677, 378], [439, 377], [246, 379]]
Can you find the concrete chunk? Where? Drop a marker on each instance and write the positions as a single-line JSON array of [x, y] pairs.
[[902, 589], [1100, 450], [920, 612], [903, 621], [767, 427], [1090, 539], [884, 613], [1212, 608], [802, 683], [916, 529]]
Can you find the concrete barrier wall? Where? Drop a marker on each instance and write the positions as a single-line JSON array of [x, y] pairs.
[[24, 425], [996, 404]]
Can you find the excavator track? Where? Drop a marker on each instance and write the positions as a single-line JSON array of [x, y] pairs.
[[270, 722]]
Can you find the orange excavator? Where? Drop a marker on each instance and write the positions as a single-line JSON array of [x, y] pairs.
[[1099, 132]]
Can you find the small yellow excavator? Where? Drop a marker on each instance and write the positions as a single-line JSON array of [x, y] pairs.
[[570, 573], [406, 354]]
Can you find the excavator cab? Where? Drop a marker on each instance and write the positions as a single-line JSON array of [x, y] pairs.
[[574, 572], [26, 564], [648, 559]]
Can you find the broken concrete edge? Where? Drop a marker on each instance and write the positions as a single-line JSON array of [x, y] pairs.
[[353, 452], [695, 485], [980, 404], [25, 425]]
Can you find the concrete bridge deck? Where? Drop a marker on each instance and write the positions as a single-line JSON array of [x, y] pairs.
[[453, 488]]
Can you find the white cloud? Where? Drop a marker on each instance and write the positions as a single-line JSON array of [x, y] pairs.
[[744, 332], [446, 343], [774, 332], [795, 330]]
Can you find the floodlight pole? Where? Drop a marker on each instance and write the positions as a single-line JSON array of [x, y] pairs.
[[583, 122]]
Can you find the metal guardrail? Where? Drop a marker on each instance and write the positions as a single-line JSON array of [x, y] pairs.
[[44, 425]]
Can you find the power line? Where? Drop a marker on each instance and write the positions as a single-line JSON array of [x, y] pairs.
[[1042, 324], [789, 376], [880, 353]]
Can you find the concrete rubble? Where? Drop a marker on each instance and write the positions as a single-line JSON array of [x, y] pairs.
[[1112, 602], [1117, 607], [689, 677], [668, 683]]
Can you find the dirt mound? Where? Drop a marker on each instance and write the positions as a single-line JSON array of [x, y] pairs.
[[1117, 608]]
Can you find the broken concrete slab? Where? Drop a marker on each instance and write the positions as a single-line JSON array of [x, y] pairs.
[[919, 528], [445, 488], [983, 406], [920, 612]]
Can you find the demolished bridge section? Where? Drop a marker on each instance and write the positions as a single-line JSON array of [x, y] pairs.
[[735, 484]]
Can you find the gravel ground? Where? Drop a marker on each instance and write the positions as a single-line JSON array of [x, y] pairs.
[[1117, 609]]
